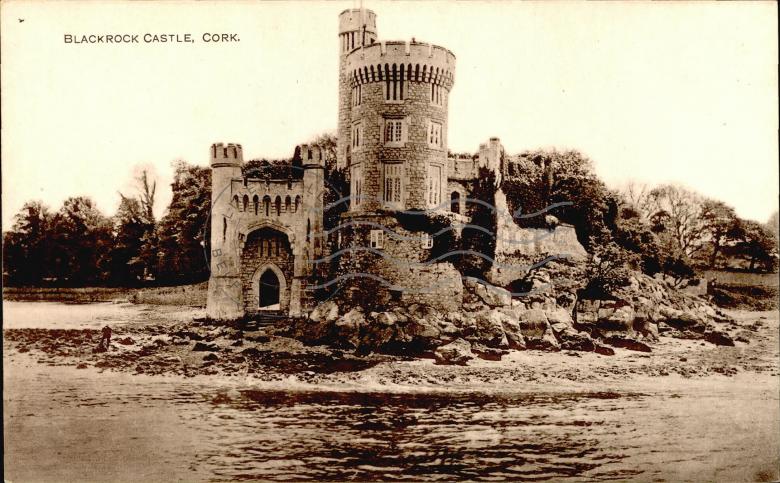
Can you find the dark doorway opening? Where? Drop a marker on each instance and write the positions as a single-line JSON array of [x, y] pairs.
[[269, 290]]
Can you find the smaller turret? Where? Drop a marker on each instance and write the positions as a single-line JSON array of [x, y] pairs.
[[223, 156], [312, 156]]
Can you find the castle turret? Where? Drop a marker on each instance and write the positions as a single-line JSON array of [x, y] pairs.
[[224, 295], [357, 27]]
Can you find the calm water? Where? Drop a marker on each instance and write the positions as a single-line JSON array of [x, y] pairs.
[[63, 424]]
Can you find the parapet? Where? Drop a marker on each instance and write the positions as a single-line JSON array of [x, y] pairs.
[[417, 61], [312, 155], [226, 155]]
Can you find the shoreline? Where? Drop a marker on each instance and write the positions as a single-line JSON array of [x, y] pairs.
[[164, 342]]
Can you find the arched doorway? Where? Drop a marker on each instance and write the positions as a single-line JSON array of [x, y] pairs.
[[269, 291]]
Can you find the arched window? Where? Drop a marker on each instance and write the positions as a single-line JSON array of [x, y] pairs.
[[287, 203], [278, 204], [246, 202], [455, 202], [235, 201], [297, 203], [256, 202], [224, 228], [267, 205], [308, 229]]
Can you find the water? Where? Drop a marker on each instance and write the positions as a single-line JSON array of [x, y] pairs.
[[62, 424], [57, 315]]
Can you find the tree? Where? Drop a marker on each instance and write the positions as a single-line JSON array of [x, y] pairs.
[[756, 245], [773, 225], [607, 270], [719, 222], [81, 243], [184, 230], [474, 239], [675, 213], [26, 247], [131, 228]]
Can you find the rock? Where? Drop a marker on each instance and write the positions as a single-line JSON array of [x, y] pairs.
[[694, 321], [187, 334], [348, 327], [488, 353], [81, 365], [718, 337], [559, 319], [125, 341], [547, 343], [490, 296], [534, 323], [576, 341], [457, 352], [210, 357], [325, 312], [489, 329], [514, 335], [627, 343], [603, 350], [204, 346], [254, 352]]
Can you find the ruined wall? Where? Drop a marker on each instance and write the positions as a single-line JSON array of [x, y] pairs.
[[517, 248], [401, 262]]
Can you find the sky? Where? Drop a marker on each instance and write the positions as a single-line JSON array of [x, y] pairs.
[[682, 92]]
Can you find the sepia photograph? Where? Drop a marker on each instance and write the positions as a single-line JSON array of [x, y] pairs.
[[390, 240]]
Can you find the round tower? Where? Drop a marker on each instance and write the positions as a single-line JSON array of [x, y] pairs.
[[398, 125], [357, 27], [394, 132]]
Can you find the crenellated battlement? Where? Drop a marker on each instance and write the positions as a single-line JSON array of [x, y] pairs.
[[226, 155], [312, 155], [413, 61]]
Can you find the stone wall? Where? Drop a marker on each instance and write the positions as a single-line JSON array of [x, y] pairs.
[[401, 263]]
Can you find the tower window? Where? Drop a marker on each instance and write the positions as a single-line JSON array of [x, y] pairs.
[[357, 95], [356, 185], [393, 184], [437, 94], [427, 241], [357, 136], [377, 238], [434, 186], [394, 131], [434, 135], [455, 202]]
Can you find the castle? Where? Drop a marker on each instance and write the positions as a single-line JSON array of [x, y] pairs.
[[267, 240]]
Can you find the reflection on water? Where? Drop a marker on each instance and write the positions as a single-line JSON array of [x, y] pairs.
[[343, 436], [194, 430]]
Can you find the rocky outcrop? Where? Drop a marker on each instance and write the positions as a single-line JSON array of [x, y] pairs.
[[549, 316], [456, 352]]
